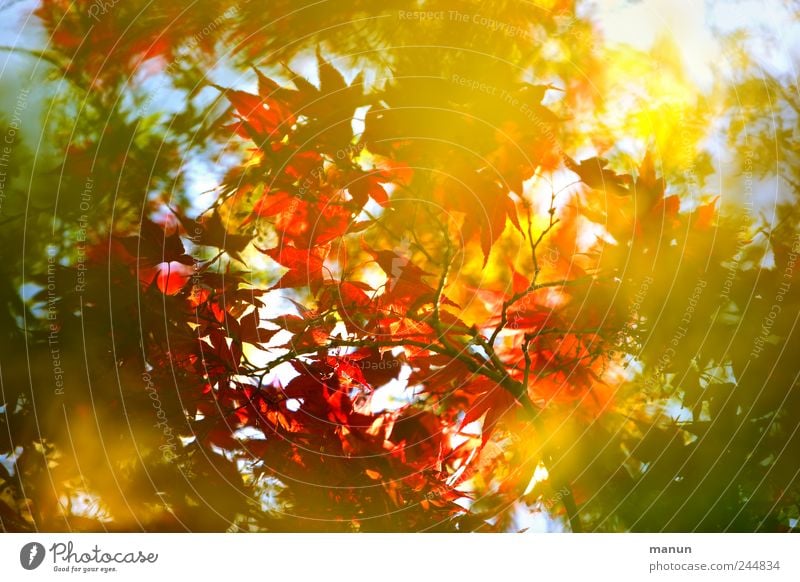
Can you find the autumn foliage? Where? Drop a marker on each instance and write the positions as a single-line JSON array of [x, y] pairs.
[[411, 302]]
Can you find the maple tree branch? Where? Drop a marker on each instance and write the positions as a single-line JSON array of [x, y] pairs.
[[789, 97], [441, 331], [414, 231], [565, 282], [473, 365], [45, 55], [792, 183], [534, 245], [396, 236], [527, 355], [497, 372], [569, 331], [443, 279]]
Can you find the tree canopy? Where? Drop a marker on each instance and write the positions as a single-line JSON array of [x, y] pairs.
[[324, 266]]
